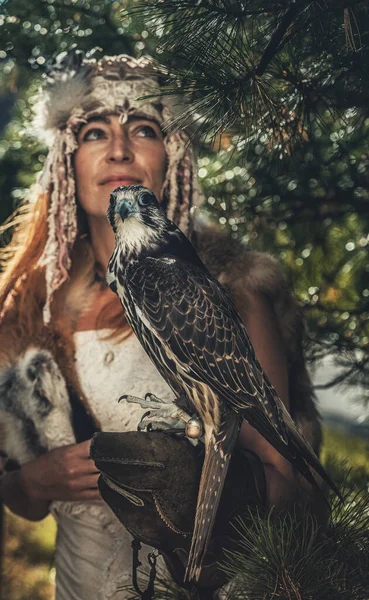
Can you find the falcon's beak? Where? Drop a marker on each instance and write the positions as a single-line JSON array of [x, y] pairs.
[[125, 208]]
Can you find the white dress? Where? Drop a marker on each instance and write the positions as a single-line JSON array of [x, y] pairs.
[[93, 549]]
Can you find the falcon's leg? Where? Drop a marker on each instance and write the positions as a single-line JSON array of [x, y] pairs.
[[162, 415], [166, 416]]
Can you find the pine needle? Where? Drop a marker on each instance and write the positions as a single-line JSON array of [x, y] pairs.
[[248, 65]]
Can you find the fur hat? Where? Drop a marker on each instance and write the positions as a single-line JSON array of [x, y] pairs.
[[77, 90]]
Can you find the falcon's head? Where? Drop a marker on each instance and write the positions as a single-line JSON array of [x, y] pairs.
[[136, 217]]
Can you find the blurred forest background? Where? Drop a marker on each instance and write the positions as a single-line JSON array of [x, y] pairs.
[[280, 102]]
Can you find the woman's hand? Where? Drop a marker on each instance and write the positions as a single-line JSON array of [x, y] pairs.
[[65, 473]]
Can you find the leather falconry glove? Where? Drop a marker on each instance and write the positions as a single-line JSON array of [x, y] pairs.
[[151, 480]]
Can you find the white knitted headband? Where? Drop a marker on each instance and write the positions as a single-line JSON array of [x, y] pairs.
[[79, 90]]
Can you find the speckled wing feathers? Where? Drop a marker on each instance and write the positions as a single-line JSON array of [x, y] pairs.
[[194, 317]]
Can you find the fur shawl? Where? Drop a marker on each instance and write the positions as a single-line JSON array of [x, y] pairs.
[[40, 395]]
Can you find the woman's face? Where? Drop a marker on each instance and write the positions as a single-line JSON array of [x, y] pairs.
[[110, 155]]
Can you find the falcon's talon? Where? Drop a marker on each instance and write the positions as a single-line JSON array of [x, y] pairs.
[[166, 416], [149, 397]]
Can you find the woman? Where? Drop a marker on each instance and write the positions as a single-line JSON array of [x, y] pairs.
[[67, 353]]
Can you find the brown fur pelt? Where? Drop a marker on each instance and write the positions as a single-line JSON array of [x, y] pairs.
[[27, 353], [37, 370]]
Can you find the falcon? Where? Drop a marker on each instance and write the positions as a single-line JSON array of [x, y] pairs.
[[189, 326]]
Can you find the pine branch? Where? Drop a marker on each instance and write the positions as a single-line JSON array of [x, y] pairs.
[[343, 376], [292, 557], [216, 51], [278, 35]]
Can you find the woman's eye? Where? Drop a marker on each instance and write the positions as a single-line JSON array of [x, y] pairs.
[[146, 131], [93, 134]]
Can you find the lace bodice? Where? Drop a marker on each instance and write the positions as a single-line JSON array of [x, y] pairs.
[[107, 370], [93, 554]]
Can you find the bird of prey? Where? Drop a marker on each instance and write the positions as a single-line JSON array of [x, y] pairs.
[[190, 328]]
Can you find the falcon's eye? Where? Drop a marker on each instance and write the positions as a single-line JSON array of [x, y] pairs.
[[144, 199]]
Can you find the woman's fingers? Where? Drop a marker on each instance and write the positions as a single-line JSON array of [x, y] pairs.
[[61, 474], [79, 455], [82, 449], [88, 495], [85, 482]]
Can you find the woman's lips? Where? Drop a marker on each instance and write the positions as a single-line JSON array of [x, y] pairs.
[[119, 181]]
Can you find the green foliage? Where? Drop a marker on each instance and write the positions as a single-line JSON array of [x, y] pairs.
[[311, 211], [33, 31], [28, 572], [347, 460], [289, 557], [271, 67]]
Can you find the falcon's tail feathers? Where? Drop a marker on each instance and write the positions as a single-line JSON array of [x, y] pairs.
[[296, 449], [307, 460], [213, 476]]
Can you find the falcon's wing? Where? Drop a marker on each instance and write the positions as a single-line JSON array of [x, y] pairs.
[[195, 319]]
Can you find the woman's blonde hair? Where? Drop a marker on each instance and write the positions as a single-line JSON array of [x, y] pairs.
[[22, 282]]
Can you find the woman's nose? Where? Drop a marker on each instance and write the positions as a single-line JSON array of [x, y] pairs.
[[119, 150]]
